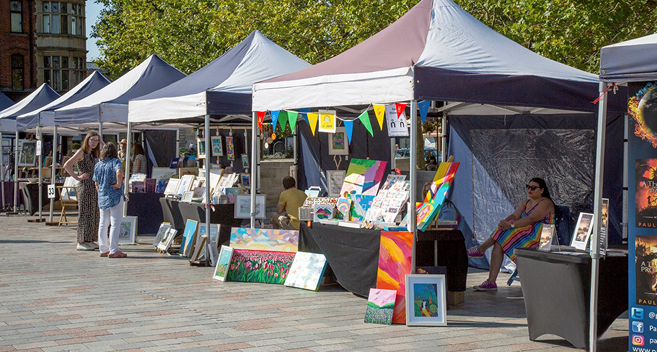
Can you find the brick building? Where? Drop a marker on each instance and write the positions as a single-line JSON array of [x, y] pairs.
[[18, 69]]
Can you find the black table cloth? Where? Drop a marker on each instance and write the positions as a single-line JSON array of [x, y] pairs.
[[31, 194], [353, 254], [556, 288], [146, 207]]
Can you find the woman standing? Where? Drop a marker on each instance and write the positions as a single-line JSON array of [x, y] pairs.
[[86, 157], [139, 161], [108, 176]]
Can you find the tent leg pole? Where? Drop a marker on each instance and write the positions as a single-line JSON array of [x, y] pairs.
[[626, 155], [413, 182], [39, 155], [126, 179], [16, 176], [254, 165], [597, 210], [443, 137], [210, 247], [295, 140], [2, 175], [55, 144]]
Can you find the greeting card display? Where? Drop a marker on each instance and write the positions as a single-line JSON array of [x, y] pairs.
[[583, 230]]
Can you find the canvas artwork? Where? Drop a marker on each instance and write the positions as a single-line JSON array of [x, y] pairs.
[[323, 212], [360, 207], [363, 177], [264, 239], [167, 240], [217, 148], [338, 142], [343, 209], [185, 184], [214, 237], [426, 303], [200, 143], [394, 263], [334, 180], [163, 173], [260, 266], [161, 232], [189, 235], [306, 271], [128, 230], [583, 230], [230, 148], [223, 263], [243, 206], [435, 198], [245, 161], [27, 153], [172, 186], [547, 233], [246, 180], [380, 305]]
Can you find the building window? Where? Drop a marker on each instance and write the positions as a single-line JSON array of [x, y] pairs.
[[16, 9], [61, 72], [62, 18], [17, 72]]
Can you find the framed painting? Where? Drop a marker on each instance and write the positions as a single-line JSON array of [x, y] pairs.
[[245, 161], [380, 304], [128, 230], [172, 187], [230, 148], [163, 173], [200, 143], [426, 303], [583, 230], [223, 263], [187, 196], [185, 184], [167, 240], [264, 239], [217, 147], [161, 232], [334, 180], [338, 142], [187, 245], [306, 271], [246, 180], [27, 153], [243, 206]]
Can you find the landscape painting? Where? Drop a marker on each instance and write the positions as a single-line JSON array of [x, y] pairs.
[[380, 305], [264, 239]]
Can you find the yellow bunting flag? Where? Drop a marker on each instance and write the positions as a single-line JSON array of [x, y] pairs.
[[380, 112], [312, 121]]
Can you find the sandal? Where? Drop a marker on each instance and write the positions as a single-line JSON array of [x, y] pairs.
[[117, 254], [104, 254], [474, 252]]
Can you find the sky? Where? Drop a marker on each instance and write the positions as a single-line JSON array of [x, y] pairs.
[[93, 10]]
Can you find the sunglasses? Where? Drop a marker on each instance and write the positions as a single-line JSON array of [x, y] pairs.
[[533, 188]]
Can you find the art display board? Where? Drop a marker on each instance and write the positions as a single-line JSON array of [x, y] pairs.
[[264, 239], [363, 177], [161, 233], [642, 215], [395, 253], [187, 245], [128, 230], [223, 263], [427, 300], [380, 306], [243, 206], [583, 229], [267, 267], [547, 233], [306, 271]]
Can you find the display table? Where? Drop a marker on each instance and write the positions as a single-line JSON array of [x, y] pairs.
[[353, 254], [9, 195], [177, 213], [31, 196], [556, 288], [146, 207]]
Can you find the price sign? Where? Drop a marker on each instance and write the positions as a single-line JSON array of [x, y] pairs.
[[38, 148], [51, 191]]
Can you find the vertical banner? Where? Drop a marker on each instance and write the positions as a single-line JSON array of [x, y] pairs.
[[397, 127], [327, 121], [642, 212]]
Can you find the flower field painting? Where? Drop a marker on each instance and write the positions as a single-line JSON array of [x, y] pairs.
[[264, 239], [394, 264], [380, 306], [306, 271], [267, 267]]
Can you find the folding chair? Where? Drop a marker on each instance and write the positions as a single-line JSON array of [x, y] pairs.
[[68, 196]]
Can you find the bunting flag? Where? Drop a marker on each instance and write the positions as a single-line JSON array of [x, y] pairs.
[[424, 109], [304, 113], [261, 118], [292, 118], [282, 120], [274, 118], [312, 118], [365, 120], [380, 112], [400, 108], [349, 126]]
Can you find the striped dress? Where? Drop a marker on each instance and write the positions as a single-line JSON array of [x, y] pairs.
[[522, 237]]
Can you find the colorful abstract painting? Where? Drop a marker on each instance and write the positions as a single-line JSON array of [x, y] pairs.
[[223, 263], [380, 305], [363, 177], [306, 271], [260, 266], [433, 202], [264, 239], [394, 264], [343, 209], [361, 204], [323, 212], [230, 148]]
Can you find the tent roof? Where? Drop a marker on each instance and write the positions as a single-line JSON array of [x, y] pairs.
[[436, 51], [629, 61], [222, 87], [5, 102], [40, 97], [45, 115], [112, 101]]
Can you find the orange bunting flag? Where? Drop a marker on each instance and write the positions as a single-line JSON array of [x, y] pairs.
[[312, 120], [400, 108], [261, 118], [380, 112]]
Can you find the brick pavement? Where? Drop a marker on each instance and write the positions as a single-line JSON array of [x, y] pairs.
[[53, 298]]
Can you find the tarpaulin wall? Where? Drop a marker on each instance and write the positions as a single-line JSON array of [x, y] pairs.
[[500, 154]]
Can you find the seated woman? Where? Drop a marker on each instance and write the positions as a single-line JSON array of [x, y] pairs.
[[519, 230]]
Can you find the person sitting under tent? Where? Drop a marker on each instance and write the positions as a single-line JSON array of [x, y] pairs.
[[291, 199], [519, 230]]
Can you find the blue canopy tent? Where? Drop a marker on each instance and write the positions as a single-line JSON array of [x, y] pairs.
[[40, 97], [45, 117], [219, 92], [5, 102]]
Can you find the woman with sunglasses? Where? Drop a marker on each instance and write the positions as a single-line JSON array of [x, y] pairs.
[[518, 230]]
